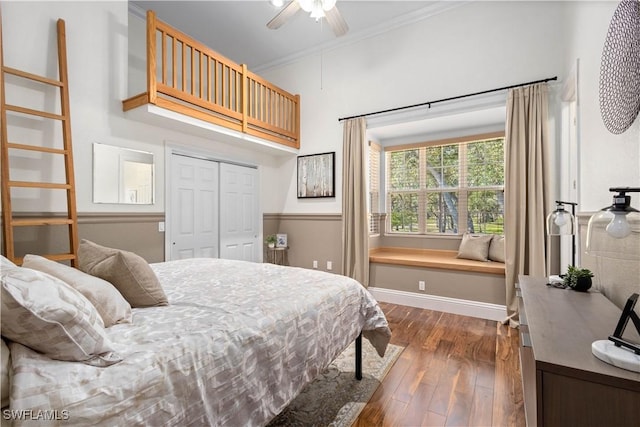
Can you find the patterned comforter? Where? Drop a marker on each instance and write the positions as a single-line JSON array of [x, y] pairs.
[[237, 343]]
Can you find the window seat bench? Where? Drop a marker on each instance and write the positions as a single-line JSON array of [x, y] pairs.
[[433, 258], [436, 280]]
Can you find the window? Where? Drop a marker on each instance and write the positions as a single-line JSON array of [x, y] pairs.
[[374, 188], [447, 189]]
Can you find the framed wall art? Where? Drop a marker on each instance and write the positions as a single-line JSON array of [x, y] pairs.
[[316, 175], [281, 241]]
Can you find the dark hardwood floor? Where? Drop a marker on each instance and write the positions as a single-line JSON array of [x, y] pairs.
[[454, 371]]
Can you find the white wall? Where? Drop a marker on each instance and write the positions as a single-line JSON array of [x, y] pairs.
[[482, 45], [605, 160], [97, 51], [478, 46]]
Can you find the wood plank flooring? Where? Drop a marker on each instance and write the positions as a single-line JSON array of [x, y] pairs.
[[454, 371]]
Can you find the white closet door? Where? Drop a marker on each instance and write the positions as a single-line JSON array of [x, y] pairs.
[[239, 213], [194, 208]]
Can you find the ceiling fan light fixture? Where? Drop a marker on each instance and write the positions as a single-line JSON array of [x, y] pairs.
[[317, 13], [316, 8]]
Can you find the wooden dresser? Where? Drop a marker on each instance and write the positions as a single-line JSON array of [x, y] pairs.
[[564, 383]]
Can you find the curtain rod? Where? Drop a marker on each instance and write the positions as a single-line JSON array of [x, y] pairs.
[[448, 99]]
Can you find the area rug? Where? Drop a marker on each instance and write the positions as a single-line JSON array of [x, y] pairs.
[[336, 398]]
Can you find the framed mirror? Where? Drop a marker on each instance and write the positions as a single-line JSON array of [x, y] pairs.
[[122, 175]]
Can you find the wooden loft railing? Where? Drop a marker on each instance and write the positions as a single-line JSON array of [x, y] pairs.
[[187, 77]]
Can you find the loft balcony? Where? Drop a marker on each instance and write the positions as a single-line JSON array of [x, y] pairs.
[[190, 79]]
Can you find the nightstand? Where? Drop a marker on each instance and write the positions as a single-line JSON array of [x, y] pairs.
[[278, 256]]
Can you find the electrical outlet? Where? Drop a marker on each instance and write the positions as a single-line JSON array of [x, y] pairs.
[[421, 285], [315, 263], [329, 265]]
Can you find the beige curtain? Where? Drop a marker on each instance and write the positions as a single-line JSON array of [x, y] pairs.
[[526, 185], [355, 229]]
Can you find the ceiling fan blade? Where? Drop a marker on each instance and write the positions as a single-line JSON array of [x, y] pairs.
[[336, 22], [284, 15]]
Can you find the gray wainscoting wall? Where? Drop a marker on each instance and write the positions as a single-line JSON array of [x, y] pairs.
[[136, 233], [132, 232], [310, 237]]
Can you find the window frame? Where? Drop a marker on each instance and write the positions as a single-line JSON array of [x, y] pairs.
[[374, 188], [462, 190]]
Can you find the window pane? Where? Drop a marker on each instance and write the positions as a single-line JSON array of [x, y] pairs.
[[374, 223], [374, 188], [442, 166], [440, 176], [403, 170], [486, 212], [374, 201], [434, 156], [442, 212], [451, 176], [404, 212], [450, 155], [434, 177], [485, 163]]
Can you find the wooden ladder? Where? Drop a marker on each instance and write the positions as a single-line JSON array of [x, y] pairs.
[[9, 222]]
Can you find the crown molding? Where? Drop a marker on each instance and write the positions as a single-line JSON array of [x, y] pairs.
[[137, 11]]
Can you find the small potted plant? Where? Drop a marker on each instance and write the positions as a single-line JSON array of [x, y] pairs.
[[578, 279], [270, 240]]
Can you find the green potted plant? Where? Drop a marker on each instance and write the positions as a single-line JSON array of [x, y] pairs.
[[578, 279], [270, 240]]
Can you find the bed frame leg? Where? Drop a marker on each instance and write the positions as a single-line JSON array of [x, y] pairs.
[[359, 357]]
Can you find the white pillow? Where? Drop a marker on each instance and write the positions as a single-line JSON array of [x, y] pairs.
[[49, 316], [110, 303], [475, 246], [496, 248], [5, 263]]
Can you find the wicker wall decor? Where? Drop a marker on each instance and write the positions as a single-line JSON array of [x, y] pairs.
[[620, 69]]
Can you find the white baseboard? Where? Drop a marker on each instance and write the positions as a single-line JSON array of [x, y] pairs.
[[483, 310]]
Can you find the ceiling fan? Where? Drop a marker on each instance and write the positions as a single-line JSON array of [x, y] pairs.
[[317, 10]]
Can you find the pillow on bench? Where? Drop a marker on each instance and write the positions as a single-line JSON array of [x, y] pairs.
[[496, 249], [475, 247]]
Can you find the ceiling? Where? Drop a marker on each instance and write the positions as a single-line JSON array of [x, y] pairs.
[[237, 30]]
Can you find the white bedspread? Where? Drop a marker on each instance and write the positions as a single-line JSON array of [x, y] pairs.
[[238, 341]]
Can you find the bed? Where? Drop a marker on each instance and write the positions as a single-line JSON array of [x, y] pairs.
[[235, 344]]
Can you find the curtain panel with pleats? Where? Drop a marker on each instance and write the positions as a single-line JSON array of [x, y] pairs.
[[355, 226], [526, 187]]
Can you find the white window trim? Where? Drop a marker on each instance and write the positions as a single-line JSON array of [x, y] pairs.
[[423, 191]]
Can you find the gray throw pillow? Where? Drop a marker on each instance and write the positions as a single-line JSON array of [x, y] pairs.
[[475, 246], [496, 249], [128, 272]]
